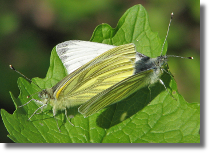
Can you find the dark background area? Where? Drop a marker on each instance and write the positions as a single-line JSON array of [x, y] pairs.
[[29, 29]]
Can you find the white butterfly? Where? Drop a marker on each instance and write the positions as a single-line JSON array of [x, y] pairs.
[[76, 53]]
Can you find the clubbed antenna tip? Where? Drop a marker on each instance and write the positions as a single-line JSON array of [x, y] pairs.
[[172, 14], [11, 67]]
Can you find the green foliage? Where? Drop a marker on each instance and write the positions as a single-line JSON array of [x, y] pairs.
[[140, 118]]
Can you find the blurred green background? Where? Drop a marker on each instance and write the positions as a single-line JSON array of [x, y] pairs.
[[29, 29]]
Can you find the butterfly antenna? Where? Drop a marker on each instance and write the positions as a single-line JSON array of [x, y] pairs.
[[179, 56], [172, 14], [11, 67]]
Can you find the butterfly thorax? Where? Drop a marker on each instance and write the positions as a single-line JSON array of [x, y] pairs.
[[147, 63], [154, 64]]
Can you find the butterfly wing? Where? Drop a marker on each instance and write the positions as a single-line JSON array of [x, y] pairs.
[[116, 93], [99, 74], [76, 53]]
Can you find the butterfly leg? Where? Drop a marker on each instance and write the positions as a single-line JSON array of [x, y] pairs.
[[161, 81], [36, 111], [67, 117], [37, 101], [54, 113], [149, 93]]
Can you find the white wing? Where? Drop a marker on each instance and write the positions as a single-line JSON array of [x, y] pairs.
[[75, 53]]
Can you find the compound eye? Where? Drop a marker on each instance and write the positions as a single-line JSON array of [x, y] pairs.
[[40, 95]]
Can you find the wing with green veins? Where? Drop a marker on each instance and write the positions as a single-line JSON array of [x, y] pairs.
[[115, 93], [99, 74]]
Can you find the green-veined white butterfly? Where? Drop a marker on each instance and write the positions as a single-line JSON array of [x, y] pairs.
[[98, 73], [147, 72]]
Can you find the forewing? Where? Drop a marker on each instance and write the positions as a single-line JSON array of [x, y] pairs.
[[115, 93], [76, 53], [106, 70]]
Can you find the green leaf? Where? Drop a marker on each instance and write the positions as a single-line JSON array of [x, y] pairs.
[[147, 116]]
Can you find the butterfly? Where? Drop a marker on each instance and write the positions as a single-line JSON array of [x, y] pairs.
[[147, 72], [92, 67]]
